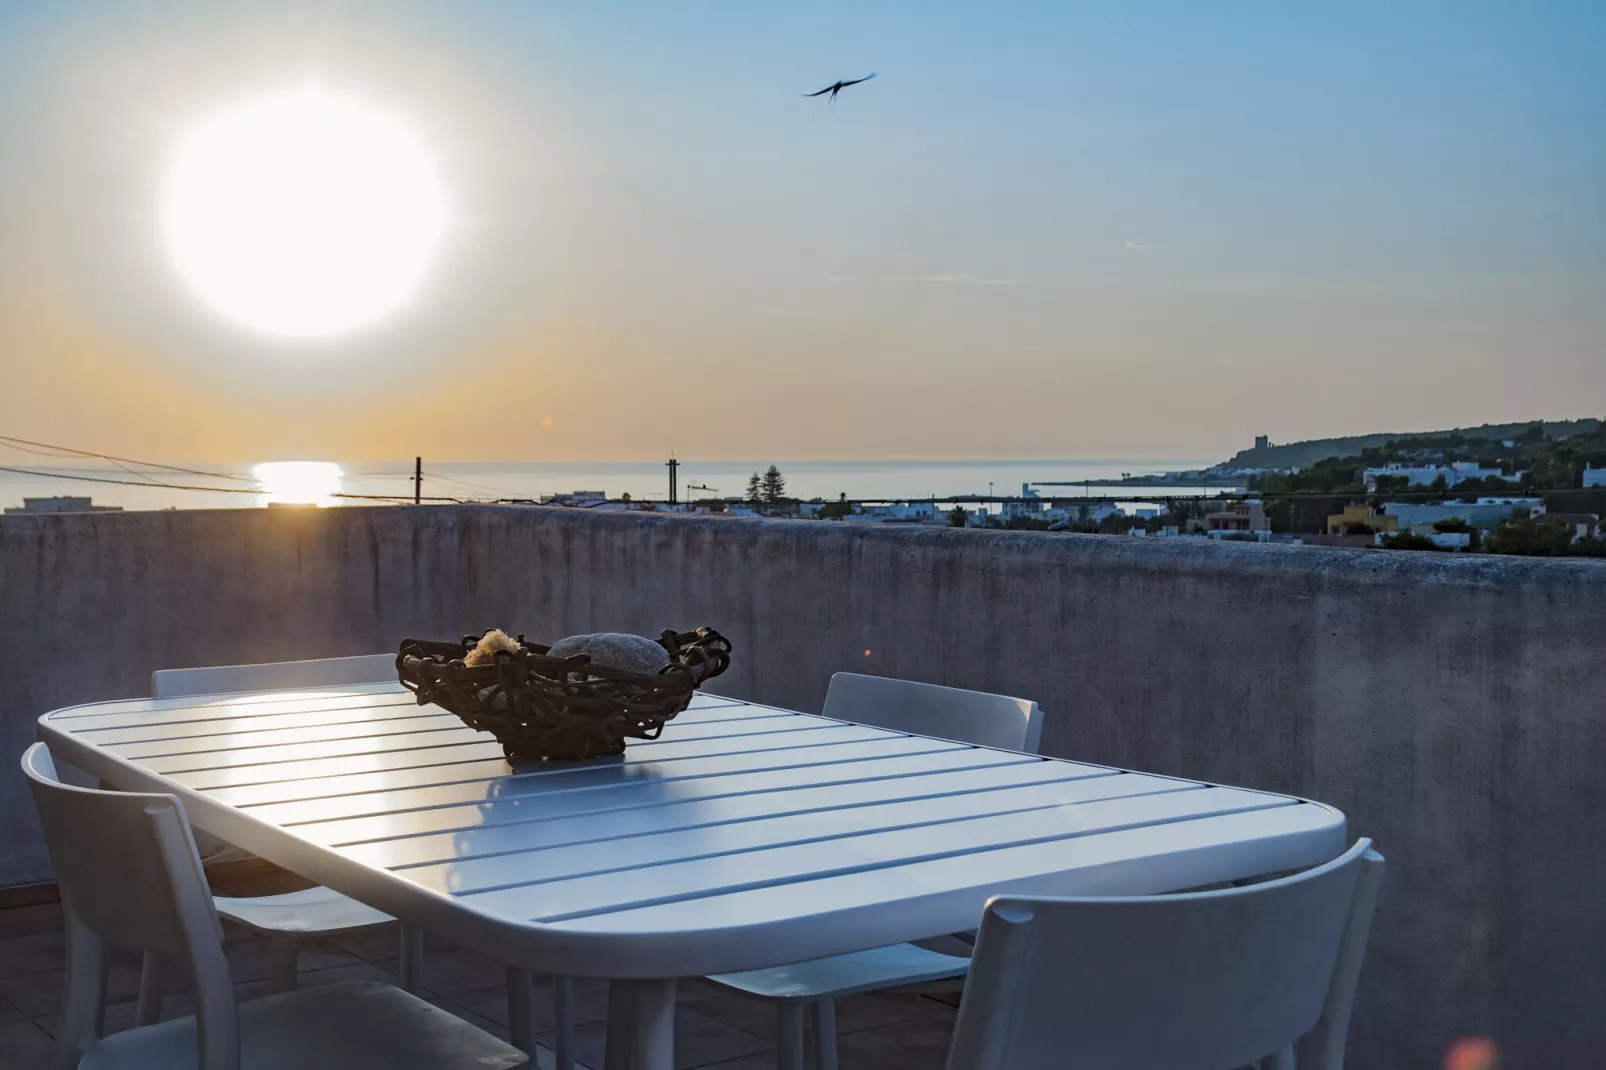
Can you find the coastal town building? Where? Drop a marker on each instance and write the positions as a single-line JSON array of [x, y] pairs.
[[1584, 525], [898, 513], [1428, 474], [32, 506], [1243, 517], [1483, 514], [577, 499], [1444, 540], [1359, 520]]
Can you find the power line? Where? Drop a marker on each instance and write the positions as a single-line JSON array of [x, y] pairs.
[[467, 483], [20, 442], [126, 482], [210, 490], [58, 454], [39, 449]]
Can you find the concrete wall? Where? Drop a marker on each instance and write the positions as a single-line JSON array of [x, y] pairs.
[[1450, 705]]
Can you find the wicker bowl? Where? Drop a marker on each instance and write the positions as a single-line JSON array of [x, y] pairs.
[[560, 708]]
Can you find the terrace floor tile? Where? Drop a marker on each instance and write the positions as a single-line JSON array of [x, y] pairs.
[[24, 1044]]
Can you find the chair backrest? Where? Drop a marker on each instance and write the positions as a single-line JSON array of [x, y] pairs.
[[323, 672], [931, 710], [129, 874], [1199, 981]]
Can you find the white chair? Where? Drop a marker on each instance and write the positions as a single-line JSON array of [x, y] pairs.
[[129, 874], [974, 717], [1198, 981], [315, 913], [273, 675]]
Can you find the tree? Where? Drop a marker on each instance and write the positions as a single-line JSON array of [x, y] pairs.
[[1408, 540], [1393, 484], [836, 510], [1542, 536], [755, 493], [774, 486], [1332, 476], [1590, 547], [957, 517]]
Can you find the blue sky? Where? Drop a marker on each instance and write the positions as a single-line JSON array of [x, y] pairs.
[[1057, 229]]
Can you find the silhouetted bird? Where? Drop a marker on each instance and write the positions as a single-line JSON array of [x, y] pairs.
[[835, 89]]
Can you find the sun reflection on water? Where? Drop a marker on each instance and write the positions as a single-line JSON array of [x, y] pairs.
[[298, 482]]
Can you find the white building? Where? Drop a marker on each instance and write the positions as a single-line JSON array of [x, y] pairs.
[[1444, 540], [1240, 536], [899, 513], [1584, 525], [61, 505], [1594, 477], [1031, 508], [1426, 474], [1483, 514], [577, 499]]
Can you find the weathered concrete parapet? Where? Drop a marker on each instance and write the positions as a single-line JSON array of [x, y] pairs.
[[1450, 705]]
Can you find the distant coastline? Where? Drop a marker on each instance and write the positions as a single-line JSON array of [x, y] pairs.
[[1306, 453], [871, 480]]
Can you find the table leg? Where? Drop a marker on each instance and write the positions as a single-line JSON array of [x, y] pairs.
[[790, 1041], [619, 1025], [563, 1011], [412, 958], [824, 1016], [654, 1024], [520, 1009]]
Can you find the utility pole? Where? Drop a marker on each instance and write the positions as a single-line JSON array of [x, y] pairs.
[[418, 480], [674, 485]]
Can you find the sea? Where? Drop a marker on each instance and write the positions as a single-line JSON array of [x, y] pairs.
[[202, 486]]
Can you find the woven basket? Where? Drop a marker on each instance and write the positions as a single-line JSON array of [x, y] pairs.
[[560, 708]]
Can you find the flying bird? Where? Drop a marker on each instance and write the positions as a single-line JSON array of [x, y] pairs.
[[838, 87]]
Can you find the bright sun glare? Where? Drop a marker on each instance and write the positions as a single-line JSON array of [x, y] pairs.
[[302, 213], [298, 482]]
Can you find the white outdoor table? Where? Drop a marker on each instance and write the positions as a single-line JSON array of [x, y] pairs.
[[746, 836]]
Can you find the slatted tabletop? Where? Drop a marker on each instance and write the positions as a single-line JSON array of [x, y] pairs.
[[746, 836]]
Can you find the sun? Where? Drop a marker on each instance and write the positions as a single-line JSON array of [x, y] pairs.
[[302, 213]]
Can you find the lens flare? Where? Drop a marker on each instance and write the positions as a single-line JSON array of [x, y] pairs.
[[1472, 1053]]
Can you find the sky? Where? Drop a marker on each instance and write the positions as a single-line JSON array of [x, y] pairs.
[[1063, 229]]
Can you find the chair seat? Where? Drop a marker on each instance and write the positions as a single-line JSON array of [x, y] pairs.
[[843, 975], [310, 912], [348, 1026]]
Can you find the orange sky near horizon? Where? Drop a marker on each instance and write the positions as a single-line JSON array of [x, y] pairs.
[[915, 273]]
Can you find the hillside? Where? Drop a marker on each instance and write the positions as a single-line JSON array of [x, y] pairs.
[[1305, 454]]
